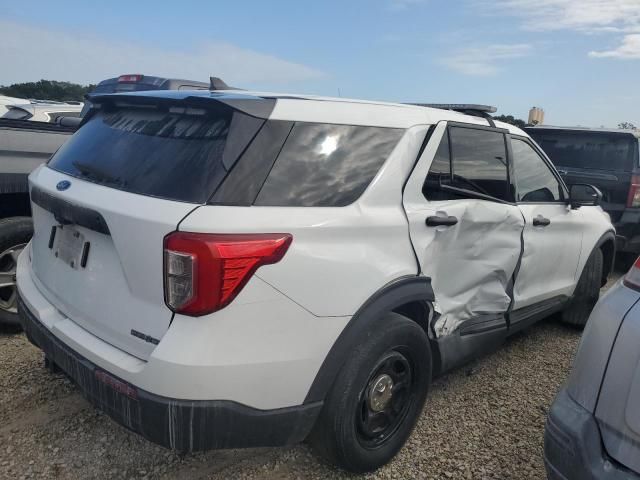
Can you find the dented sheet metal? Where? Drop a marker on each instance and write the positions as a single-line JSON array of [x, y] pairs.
[[471, 264]]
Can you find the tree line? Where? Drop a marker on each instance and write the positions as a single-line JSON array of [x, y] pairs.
[[47, 90]]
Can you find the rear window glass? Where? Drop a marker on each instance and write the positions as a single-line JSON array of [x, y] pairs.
[[153, 152], [591, 150], [327, 165]]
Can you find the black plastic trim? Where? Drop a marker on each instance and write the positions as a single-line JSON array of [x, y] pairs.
[[14, 182], [183, 425], [67, 213], [523, 317], [391, 296]]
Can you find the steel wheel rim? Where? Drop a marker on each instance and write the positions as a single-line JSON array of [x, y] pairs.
[[8, 290], [376, 422]]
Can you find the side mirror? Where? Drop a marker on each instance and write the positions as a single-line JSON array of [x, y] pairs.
[[584, 195]]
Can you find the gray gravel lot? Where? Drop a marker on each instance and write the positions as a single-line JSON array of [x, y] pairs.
[[483, 421]]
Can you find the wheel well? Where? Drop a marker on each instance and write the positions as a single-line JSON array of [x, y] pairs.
[[608, 253], [418, 311], [15, 205]]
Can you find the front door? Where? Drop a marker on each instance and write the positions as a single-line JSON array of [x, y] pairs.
[[464, 226], [553, 231]]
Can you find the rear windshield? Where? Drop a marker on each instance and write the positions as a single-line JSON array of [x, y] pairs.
[[590, 150], [151, 152], [226, 157]]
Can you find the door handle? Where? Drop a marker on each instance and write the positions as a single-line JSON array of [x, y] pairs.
[[437, 221], [541, 221]]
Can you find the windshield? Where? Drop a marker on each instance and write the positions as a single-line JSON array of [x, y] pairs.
[[590, 150]]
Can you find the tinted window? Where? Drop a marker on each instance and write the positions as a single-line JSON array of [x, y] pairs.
[[479, 159], [534, 181], [152, 152], [327, 165], [439, 173], [593, 150]]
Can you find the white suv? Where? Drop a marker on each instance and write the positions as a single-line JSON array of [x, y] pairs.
[[219, 270]]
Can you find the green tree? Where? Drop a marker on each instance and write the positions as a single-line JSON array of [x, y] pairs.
[[511, 120], [626, 126], [47, 90]]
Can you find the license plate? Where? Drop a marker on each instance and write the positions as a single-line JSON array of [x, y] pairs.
[[69, 245]]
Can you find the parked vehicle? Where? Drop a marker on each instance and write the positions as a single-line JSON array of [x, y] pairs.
[[43, 112], [26, 144], [6, 101], [221, 270], [608, 159], [593, 427]]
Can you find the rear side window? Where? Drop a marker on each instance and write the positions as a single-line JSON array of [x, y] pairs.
[[469, 160], [158, 153], [325, 165], [590, 150]]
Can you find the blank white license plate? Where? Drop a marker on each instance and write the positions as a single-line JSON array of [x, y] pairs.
[[68, 245]]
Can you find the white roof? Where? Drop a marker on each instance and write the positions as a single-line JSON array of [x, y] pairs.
[[365, 112]]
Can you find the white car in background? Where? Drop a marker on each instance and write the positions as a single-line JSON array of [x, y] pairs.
[[48, 112], [6, 101], [224, 269]]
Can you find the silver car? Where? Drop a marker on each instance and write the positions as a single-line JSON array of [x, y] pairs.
[[593, 427]]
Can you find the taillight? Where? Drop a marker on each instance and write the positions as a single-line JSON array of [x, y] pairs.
[[632, 278], [130, 78], [633, 200], [204, 272]]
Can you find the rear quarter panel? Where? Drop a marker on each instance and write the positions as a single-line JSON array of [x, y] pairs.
[[340, 256]]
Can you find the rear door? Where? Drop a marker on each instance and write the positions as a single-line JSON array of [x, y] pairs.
[[464, 227], [553, 231], [105, 202]]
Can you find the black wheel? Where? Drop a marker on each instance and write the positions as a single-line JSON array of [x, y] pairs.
[[587, 292], [377, 398], [15, 233]]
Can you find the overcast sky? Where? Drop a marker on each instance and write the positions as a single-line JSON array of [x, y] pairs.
[[577, 59]]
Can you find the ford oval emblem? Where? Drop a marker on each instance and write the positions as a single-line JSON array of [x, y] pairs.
[[63, 185]]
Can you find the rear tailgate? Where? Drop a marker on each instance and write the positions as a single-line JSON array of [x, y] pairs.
[[118, 295], [613, 185], [111, 194], [601, 158]]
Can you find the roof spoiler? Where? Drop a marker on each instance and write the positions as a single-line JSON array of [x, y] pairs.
[[216, 83]]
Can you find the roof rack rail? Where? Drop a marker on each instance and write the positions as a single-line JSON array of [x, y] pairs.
[[216, 83], [460, 107], [474, 109]]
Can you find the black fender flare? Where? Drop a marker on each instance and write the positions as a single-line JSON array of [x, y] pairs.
[[607, 236], [393, 295]]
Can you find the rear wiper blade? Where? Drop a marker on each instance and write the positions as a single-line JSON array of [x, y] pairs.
[[95, 173]]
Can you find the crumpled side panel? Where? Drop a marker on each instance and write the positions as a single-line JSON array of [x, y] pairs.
[[471, 264]]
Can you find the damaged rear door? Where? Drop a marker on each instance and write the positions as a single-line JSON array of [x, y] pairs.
[[464, 226]]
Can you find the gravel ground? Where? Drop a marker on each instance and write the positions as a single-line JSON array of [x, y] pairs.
[[483, 421]]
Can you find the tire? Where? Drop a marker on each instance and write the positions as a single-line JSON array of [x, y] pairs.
[[394, 347], [15, 233], [587, 292]]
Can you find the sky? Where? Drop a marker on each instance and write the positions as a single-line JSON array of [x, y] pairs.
[[579, 60]]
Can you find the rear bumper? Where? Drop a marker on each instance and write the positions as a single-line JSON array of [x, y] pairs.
[[573, 445], [628, 231], [181, 425]]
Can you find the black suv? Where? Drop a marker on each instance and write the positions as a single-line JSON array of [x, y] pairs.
[[608, 159]]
